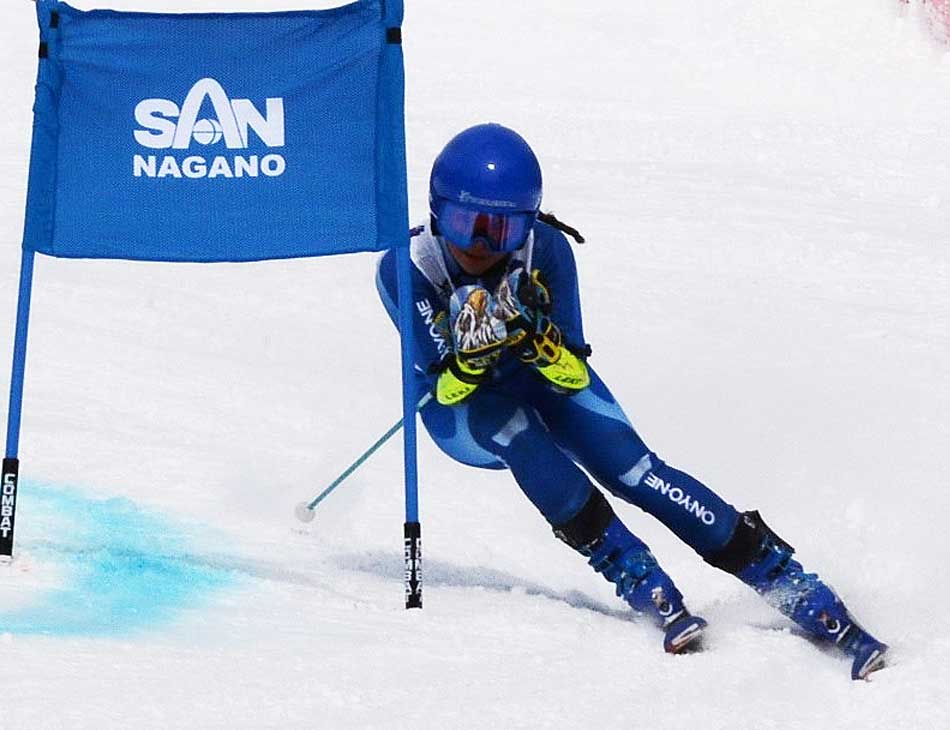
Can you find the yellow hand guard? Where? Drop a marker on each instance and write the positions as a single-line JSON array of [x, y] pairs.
[[457, 382], [568, 372]]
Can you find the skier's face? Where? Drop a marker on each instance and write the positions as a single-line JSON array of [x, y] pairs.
[[476, 259]]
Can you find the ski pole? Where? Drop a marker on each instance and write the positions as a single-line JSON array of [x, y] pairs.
[[305, 510]]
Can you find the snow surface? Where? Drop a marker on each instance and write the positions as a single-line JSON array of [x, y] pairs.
[[765, 188]]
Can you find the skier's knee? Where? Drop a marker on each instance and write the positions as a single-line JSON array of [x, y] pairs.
[[589, 524], [749, 538]]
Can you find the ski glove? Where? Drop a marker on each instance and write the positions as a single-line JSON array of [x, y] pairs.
[[478, 337], [524, 302]]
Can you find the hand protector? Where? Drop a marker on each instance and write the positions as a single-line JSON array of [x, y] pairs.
[[524, 302], [478, 338], [478, 335]]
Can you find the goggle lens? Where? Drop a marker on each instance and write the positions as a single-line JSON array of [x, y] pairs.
[[499, 232]]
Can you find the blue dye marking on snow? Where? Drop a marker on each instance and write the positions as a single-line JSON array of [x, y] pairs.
[[123, 568]]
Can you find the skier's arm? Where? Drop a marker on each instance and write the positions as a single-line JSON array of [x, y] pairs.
[[542, 309], [556, 263], [429, 320], [453, 372]]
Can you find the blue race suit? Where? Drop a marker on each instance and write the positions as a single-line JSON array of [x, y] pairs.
[[519, 422]]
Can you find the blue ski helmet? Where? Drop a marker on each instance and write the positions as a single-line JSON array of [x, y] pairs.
[[485, 186]]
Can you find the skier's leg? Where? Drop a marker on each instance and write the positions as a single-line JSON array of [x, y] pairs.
[[592, 427], [494, 430], [622, 558], [763, 560]]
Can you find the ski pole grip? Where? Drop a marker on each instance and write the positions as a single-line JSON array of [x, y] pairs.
[[412, 532], [8, 485]]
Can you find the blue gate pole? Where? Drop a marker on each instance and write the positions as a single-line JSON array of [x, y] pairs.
[[11, 463], [412, 530]]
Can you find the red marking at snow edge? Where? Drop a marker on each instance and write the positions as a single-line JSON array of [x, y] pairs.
[[938, 16], [941, 15]]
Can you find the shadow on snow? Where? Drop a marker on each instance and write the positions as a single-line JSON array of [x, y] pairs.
[[438, 573]]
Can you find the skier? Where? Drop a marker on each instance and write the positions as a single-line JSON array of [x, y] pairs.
[[499, 340]]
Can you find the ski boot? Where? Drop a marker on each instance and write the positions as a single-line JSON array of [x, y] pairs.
[[623, 559], [761, 559]]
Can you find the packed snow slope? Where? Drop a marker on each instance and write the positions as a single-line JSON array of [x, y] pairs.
[[765, 188]]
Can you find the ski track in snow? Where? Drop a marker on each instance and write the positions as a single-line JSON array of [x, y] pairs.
[[764, 189]]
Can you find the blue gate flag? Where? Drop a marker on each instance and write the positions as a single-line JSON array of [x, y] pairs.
[[218, 137]]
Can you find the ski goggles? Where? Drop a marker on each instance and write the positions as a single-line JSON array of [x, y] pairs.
[[498, 232]]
